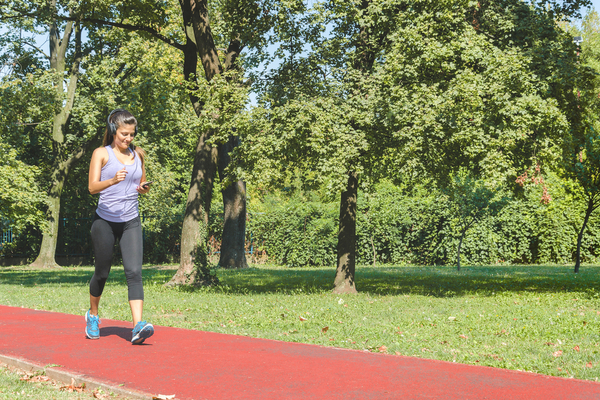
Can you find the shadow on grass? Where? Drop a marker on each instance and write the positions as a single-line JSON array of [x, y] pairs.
[[31, 277], [389, 280], [75, 276], [425, 281]]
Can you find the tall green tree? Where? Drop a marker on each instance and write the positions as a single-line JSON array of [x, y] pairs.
[[64, 59], [217, 100], [86, 74], [216, 93], [587, 174], [415, 89], [200, 43], [582, 151]]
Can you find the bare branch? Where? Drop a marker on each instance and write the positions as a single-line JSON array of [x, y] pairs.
[[134, 28], [38, 49], [31, 123], [129, 27]]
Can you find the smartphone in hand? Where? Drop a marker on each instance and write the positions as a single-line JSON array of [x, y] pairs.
[[147, 184]]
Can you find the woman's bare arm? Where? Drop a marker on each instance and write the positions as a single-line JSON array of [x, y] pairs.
[[99, 159]]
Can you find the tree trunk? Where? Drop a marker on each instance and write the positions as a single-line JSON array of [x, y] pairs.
[[200, 45], [233, 245], [195, 221], [45, 258], [197, 30], [63, 162], [374, 252], [588, 213], [462, 236], [346, 246]]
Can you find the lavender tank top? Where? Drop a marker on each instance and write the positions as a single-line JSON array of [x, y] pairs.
[[119, 203]]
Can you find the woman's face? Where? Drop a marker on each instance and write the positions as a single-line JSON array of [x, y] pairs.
[[124, 136]]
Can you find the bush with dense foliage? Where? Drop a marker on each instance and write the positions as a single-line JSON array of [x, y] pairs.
[[415, 226], [395, 225]]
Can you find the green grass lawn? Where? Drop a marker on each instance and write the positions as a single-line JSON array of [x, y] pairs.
[[543, 319], [18, 384]]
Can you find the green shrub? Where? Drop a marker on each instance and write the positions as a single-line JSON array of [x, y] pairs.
[[297, 233], [395, 225], [398, 225]]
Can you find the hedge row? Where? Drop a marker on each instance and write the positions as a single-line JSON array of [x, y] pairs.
[[394, 225], [418, 228]]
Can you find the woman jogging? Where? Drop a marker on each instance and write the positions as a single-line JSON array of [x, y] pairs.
[[117, 173]]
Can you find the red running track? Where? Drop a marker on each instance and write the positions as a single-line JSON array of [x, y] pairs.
[[203, 365]]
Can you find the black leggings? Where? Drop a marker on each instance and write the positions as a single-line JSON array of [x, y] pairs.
[[104, 236]]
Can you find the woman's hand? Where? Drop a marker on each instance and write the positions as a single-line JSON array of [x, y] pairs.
[[120, 176], [143, 189]]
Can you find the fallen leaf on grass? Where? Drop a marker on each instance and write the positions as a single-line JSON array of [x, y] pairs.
[[40, 378], [303, 319], [576, 348], [324, 330], [99, 394], [549, 344], [463, 336], [557, 353], [451, 318], [589, 365], [398, 353], [73, 387], [382, 349]]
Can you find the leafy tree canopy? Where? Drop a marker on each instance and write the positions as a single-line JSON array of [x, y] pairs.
[[414, 89]]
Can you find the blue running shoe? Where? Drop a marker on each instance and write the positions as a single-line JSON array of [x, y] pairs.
[[92, 330], [142, 331]]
